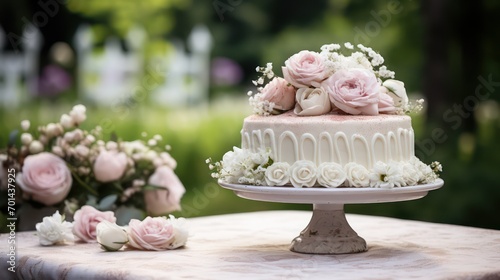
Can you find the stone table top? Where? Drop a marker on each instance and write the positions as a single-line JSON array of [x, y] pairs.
[[255, 246]]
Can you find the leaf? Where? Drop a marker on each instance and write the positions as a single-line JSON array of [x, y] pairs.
[[107, 202], [13, 137], [124, 214]]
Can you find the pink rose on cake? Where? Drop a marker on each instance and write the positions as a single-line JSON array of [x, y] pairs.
[[279, 92], [86, 220], [312, 102], [167, 197], [354, 91], [385, 103], [305, 69], [46, 178]]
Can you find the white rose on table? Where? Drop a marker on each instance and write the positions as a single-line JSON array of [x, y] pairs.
[[46, 178], [354, 91], [331, 174], [54, 230], [111, 236], [181, 233], [357, 175], [312, 102], [166, 198], [303, 174], [305, 69], [279, 92], [396, 90], [109, 166], [278, 174]]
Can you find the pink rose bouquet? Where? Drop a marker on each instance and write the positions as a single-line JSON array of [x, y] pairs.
[[69, 168]]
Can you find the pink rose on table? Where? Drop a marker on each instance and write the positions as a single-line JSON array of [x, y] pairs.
[[312, 102], [110, 166], [46, 178], [167, 199], [153, 234], [354, 91], [305, 69], [279, 92], [86, 220]]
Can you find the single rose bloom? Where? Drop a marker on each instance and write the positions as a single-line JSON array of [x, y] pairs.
[[167, 197], [153, 234], [86, 220], [354, 91], [110, 166], [46, 178], [279, 92], [303, 174], [396, 90], [312, 102], [305, 69], [386, 102]]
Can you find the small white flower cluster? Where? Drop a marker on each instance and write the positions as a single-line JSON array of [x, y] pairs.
[[241, 166], [365, 58], [260, 106], [244, 167]]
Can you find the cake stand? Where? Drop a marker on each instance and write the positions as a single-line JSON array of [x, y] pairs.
[[328, 232]]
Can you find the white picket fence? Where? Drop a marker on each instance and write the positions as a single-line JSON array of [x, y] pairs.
[[114, 75], [19, 67]]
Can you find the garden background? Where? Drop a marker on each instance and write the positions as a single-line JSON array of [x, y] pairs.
[[444, 51]]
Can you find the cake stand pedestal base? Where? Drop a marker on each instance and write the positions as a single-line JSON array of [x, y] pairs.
[[328, 232]]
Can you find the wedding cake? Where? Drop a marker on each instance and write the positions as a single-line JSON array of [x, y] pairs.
[[337, 118]]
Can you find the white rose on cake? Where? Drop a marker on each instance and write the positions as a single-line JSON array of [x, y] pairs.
[[312, 102], [357, 175], [278, 174], [331, 174], [396, 90], [303, 174]]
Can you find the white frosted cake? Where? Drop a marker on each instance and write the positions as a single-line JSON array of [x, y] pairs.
[[331, 121]]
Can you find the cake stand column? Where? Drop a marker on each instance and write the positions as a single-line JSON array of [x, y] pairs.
[[328, 232]]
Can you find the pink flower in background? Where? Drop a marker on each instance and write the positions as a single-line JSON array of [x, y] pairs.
[[354, 91], [305, 69], [109, 166], [279, 92], [151, 234], [167, 199], [86, 220], [226, 71], [46, 178]]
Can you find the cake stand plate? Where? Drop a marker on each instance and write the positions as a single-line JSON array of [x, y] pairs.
[[328, 232]]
